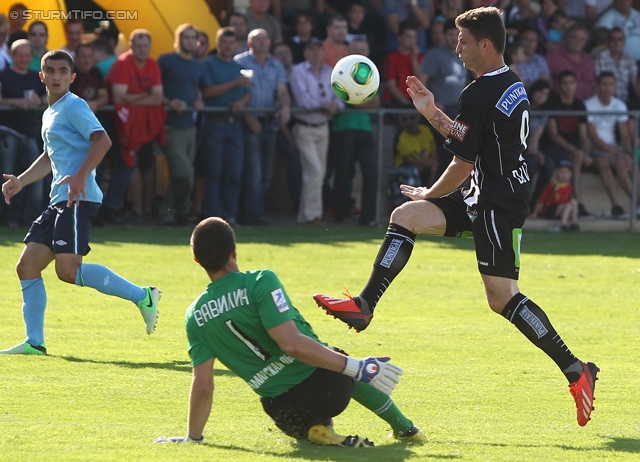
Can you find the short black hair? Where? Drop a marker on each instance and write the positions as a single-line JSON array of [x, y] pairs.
[[485, 23], [605, 74], [39, 23], [212, 243], [538, 85], [449, 24], [566, 73], [56, 55], [407, 24], [102, 44]]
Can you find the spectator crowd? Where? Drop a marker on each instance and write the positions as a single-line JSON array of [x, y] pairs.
[[570, 54]]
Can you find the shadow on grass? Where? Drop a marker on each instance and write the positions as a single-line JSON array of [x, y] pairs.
[[180, 366], [623, 444], [622, 244]]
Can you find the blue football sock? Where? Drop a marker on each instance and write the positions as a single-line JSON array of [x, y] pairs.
[[34, 301], [106, 281]]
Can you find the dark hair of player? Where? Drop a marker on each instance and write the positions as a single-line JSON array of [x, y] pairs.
[[56, 55], [212, 242], [605, 74], [484, 23]]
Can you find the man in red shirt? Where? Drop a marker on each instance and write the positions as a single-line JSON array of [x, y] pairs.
[[400, 64], [135, 86]]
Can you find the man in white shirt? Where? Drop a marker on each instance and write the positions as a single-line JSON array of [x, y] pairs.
[[606, 152]]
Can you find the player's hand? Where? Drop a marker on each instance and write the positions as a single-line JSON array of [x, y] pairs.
[[177, 439], [77, 186], [414, 193], [422, 98], [11, 187], [377, 372]]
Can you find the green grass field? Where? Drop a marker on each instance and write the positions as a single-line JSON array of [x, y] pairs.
[[472, 382]]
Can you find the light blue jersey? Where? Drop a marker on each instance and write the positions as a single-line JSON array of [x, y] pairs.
[[66, 128]]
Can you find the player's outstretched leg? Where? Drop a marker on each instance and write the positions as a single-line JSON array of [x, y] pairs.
[[107, 282], [392, 257], [34, 302], [532, 321], [382, 406], [326, 436]]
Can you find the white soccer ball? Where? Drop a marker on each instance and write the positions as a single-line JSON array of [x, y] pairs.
[[355, 79]]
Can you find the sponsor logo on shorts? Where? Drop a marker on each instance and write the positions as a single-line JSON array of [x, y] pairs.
[[533, 321], [459, 130], [483, 263], [447, 141], [510, 99], [60, 242], [392, 251], [280, 300]]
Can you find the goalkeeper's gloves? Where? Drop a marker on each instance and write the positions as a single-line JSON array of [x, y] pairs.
[[377, 372], [178, 439]]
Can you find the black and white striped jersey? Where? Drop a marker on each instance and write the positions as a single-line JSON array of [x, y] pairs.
[[491, 131]]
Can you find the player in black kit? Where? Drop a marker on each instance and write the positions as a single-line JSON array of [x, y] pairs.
[[487, 138]]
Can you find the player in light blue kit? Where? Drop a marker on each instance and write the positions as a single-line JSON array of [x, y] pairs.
[[74, 145]]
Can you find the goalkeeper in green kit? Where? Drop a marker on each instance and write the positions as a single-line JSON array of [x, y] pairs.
[[247, 321]]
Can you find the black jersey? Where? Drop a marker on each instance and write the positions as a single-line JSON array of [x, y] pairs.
[[491, 131]]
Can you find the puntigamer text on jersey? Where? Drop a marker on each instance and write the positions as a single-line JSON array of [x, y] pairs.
[[214, 308]]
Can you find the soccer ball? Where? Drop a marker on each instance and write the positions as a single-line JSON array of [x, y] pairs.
[[355, 79]]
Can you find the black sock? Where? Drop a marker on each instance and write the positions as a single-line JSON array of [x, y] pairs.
[[534, 324], [393, 255]]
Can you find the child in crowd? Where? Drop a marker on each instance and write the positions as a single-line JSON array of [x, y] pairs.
[[557, 201], [559, 24], [516, 56]]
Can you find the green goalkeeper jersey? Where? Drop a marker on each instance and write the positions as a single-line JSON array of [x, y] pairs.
[[229, 321]]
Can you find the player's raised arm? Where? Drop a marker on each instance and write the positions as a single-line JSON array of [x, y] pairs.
[[423, 101]]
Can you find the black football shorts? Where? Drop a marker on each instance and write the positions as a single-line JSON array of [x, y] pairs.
[[496, 234]]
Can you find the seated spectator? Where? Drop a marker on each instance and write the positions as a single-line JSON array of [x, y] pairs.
[[304, 26], [396, 12], [541, 24], [599, 41], [558, 25], [5, 54], [19, 132], [605, 150], [258, 17], [627, 19], [576, 10], [534, 66], [103, 55], [615, 59], [538, 161], [335, 46], [38, 36], [516, 57], [400, 64], [571, 56], [416, 146], [594, 8], [73, 30], [567, 137], [88, 84], [557, 201], [238, 22]]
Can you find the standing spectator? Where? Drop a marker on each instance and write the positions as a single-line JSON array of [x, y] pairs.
[[136, 90], [311, 88], [259, 18], [238, 22], [181, 78], [73, 30], [572, 56], [88, 83], [534, 67], [38, 36], [223, 144], [452, 8], [403, 62], [5, 55], [304, 26], [104, 56], [511, 18], [397, 11], [200, 53], [567, 135], [19, 130], [627, 19], [352, 140], [436, 33], [605, 150], [335, 46], [443, 73], [363, 23], [285, 143], [615, 59], [268, 89]]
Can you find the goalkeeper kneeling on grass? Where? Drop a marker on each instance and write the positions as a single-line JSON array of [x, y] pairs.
[[247, 321]]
